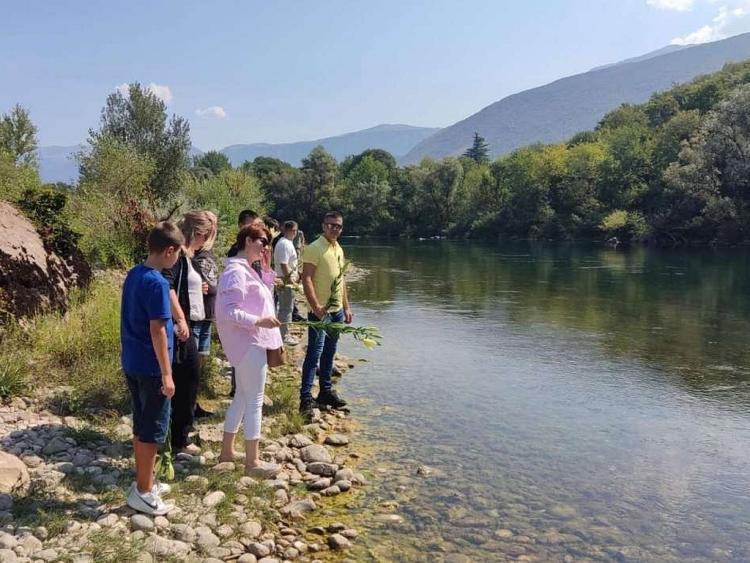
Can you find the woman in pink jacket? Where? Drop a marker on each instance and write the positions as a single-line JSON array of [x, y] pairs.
[[247, 327]]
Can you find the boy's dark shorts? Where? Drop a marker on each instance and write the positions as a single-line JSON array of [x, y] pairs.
[[151, 409]]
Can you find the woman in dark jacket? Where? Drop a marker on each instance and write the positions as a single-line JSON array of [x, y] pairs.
[[187, 289], [205, 263]]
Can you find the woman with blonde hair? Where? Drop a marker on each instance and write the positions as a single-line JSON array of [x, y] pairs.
[[187, 290], [248, 327]]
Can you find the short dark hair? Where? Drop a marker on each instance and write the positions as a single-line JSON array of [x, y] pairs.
[[246, 217], [165, 235], [289, 225], [252, 231], [271, 222], [333, 215]]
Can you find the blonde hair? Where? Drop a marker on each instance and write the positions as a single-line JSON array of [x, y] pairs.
[[198, 222]]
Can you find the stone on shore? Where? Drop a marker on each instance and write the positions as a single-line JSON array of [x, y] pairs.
[[321, 468], [213, 498], [338, 542], [315, 453], [13, 473], [337, 440], [162, 547]]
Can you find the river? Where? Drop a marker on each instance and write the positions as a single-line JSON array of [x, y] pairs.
[[569, 402]]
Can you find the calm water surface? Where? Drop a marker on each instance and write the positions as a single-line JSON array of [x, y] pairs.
[[573, 403]]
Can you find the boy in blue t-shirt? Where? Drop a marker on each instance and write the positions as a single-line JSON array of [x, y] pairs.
[[146, 335]]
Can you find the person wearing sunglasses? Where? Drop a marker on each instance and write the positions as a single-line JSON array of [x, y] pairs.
[[247, 328], [325, 290]]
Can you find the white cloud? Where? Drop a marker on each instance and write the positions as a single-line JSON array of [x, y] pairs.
[[212, 111], [732, 19], [676, 5], [161, 91]]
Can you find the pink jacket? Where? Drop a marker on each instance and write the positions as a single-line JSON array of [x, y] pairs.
[[241, 299]]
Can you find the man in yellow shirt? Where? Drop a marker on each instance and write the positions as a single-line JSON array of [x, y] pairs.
[[325, 290]]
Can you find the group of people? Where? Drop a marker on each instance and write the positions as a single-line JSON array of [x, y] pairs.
[[169, 304]]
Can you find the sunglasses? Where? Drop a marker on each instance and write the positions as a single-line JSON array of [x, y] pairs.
[[334, 226], [263, 241]]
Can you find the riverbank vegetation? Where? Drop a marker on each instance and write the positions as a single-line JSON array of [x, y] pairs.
[[671, 170]]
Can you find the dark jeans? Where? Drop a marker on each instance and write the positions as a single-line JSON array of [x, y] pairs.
[[185, 371], [321, 347]]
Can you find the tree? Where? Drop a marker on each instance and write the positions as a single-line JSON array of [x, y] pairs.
[[479, 150], [138, 119], [215, 161], [110, 205], [18, 136], [262, 166]]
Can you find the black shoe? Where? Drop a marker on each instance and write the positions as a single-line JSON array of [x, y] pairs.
[[200, 412], [330, 398], [306, 405]]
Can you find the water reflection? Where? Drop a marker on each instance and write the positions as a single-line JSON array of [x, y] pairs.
[[574, 402]]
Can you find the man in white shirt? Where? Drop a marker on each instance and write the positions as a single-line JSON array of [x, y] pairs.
[[285, 263]]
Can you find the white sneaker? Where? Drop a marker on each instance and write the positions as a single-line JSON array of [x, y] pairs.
[[160, 489], [148, 503]]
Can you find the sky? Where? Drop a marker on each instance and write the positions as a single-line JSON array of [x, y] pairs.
[[249, 71]]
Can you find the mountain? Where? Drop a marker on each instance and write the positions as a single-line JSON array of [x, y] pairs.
[[556, 111], [57, 164], [651, 55], [396, 139]]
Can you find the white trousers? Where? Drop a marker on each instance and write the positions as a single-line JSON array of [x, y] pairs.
[[250, 379]]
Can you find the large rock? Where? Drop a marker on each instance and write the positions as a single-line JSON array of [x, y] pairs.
[[33, 279], [315, 452], [13, 472]]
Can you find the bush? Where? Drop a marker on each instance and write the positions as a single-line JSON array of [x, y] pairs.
[[79, 350], [46, 209], [226, 195]]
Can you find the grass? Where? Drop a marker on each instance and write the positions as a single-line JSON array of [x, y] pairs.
[[78, 350], [13, 381], [37, 507], [107, 546]]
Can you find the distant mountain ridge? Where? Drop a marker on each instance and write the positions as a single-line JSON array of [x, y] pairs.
[[556, 111], [56, 163], [397, 139]]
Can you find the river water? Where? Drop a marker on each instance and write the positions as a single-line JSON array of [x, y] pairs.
[[570, 403]]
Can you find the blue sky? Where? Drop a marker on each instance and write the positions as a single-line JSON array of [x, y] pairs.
[[276, 71]]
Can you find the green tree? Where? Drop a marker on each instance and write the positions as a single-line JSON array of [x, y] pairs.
[[479, 150], [262, 166], [215, 161], [139, 121], [18, 136], [110, 207], [226, 194]]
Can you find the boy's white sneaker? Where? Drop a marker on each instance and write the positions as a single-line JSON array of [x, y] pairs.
[[148, 503], [160, 489]]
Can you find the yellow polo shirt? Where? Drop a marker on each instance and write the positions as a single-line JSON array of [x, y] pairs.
[[328, 259]]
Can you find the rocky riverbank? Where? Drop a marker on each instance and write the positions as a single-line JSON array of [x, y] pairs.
[[71, 477]]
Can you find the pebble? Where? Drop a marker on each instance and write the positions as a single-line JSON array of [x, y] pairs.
[[343, 485], [108, 520], [315, 452], [322, 468], [162, 547], [250, 529], [337, 541], [247, 558], [330, 491], [337, 440], [161, 522], [183, 532], [258, 549], [46, 555], [7, 541], [224, 466], [349, 533], [213, 498], [7, 556], [141, 522]]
